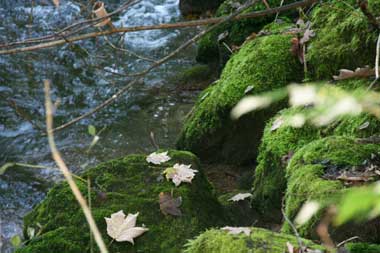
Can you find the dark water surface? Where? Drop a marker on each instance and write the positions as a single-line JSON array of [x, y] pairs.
[[81, 79]]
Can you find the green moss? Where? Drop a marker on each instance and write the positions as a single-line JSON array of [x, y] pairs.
[[259, 241], [264, 64], [344, 38], [132, 185], [362, 248], [208, 49], [197, 76], [305, 182], [277, 146]]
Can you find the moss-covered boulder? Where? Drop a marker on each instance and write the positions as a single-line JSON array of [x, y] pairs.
[[261, 65], [132, 185], [311, 176], [259, 241], [198, 7], [362, 248], [279, 144], [344, 38], [210, 51]]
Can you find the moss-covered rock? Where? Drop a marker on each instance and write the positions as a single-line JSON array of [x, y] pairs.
[[197, 7], [259, 241], [278, 145], [306, 181], [261, 65], [211, 52], [362, 248], [344, 38], [132, 185]]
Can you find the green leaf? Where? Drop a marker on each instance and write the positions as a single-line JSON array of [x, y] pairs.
[[92, 130], [350, 210], [4, 168], [16, 241]]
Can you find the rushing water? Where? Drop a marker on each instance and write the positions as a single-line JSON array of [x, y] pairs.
[[81, 79]]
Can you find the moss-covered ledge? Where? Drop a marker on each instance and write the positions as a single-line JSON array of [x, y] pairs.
[[261, 65], [259, 241], [344, 38], [279, 144], [306, 181], [132, 185]]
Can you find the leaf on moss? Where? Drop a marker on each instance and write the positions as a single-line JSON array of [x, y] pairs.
[[123, 228], [170, 205], [277, 124], [180, 173], [358, 73], [237, 230], [158, 158], [240, 196]]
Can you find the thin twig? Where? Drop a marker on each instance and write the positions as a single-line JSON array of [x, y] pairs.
[[298, 237], [194, 23], [155, 65], [66, 172], [376, 63], [347, 240]]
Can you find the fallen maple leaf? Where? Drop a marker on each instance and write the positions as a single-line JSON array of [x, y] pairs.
[[237, 230], [180, 173], [170, 205], [123, 229], [240, 196], [158, 158], [358, 73]]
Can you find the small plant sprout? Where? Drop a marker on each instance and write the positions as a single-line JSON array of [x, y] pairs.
[[122, 228], [158, 158], [180, 173]]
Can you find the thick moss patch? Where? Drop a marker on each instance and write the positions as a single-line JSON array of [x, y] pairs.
[[211, 52], [344, 38], [261, 65], [278, 146], [305, 182], [132, 185], [362, 248], [259, 241]]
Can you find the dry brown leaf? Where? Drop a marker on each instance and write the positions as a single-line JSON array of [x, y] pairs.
[[358, 73], [56, 3], [170, 205]]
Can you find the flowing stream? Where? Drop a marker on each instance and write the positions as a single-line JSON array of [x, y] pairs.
[[83, 75]]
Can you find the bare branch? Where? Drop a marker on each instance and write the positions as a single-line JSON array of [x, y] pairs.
[[141, 75], [194, 23], [67, 174]]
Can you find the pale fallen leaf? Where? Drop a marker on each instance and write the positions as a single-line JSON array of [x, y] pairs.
[[248, 89], [364, 125], [277, 123], [170, 205], [158, 158], [240, 196], [237, 230], [180, 173], [123, 228], [307, 211]]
